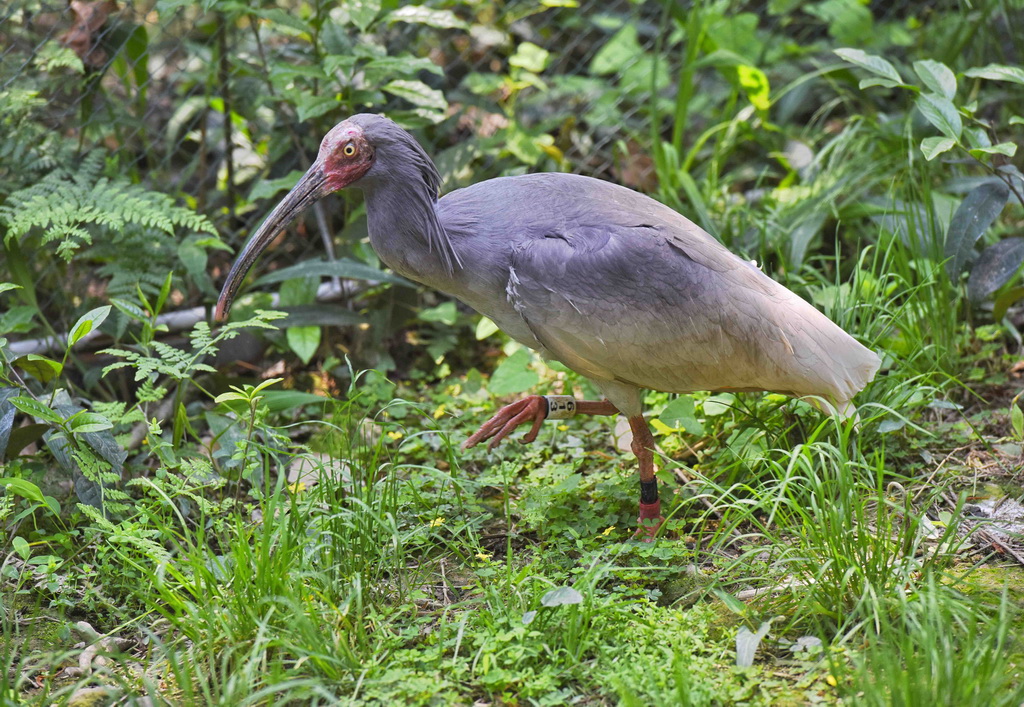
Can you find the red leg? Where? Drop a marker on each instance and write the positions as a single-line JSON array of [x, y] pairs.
[[532, 408], [650, 518]]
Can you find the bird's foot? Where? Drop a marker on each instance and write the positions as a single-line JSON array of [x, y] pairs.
[[532, 408], [650, 521]]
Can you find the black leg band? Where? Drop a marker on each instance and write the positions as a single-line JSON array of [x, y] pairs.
[[649, 491]]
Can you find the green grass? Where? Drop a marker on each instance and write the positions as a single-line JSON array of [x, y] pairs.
[[399, 569]]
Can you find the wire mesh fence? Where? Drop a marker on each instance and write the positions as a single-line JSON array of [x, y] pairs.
[[218, 103], [202, 101]]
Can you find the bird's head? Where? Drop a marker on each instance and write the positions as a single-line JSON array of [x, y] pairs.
[[361, 151]]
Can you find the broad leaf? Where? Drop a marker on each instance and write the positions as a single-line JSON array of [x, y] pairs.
[[932, 147], [484, 328], [941, 113], [88, 322], [1003, 302], [530, 57], [22, 436], [304, 341], [344, 268], [33, 407], [680, 414], [39, 367], [23, 488], [937, 77], [284, 400], [360, 13], [874, 64], [83, 422], [416, 14], [417, 93], [1004, 148], [998, 72], [318, 315], [7, 411], [561, 596], [995, 266], [513, 375], [975, 214], [618, 53], [445, 313]]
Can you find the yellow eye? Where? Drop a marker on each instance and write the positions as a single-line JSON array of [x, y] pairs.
[[349, 150]]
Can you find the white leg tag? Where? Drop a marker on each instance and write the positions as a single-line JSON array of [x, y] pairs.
[[560, 407]]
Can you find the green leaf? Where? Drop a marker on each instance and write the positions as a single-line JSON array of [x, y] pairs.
[[326, 314], [343, 267], [755, 83], [561, 596], [83, 422], [23, 488], [277, 16], [405, 65], [937, 77], [417, 93], [680, 414], [4, 286], [485, 327], [33, 407], [284, 400], [877, 81], [1002, 303], [994, 268], [932, 147], [1017, 420], [7, 411], [972, 218], [530, 57], [87, 322], [20, 437], [1004, 148], [309, 106], [513, 375], [997, 72], [618, 53], [361, 13], [875, 64], [445, 313], [266, 188], [21, 547], [304, 341], [941, 113], [39, 367], [417, 14]]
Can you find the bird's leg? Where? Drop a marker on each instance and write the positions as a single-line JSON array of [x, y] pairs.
[[535, 409], [650, 506]]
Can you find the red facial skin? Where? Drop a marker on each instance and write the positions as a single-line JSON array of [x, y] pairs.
[[345, 156]]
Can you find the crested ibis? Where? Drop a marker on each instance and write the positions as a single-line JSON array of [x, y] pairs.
[[613, 284]]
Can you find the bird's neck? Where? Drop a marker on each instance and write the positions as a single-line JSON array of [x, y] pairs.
[[406, 233]]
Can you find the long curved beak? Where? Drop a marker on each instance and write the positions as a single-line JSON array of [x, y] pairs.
[[309, 189]]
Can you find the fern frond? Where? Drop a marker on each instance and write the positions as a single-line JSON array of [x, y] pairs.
[[73, 209]]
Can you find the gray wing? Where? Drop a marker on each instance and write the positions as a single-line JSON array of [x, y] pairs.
[[664, 306], [621, 288]]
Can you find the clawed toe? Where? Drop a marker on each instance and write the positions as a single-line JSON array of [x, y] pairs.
[[532, 408]]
